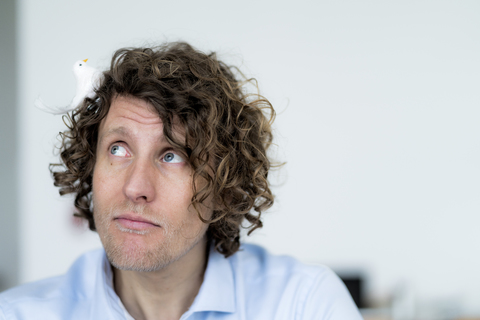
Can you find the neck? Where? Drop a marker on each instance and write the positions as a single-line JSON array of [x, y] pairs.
[[166, 293]]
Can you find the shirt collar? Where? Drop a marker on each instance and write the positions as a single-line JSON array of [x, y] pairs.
[[217, 292]]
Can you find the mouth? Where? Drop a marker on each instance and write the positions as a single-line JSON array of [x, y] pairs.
[[134, 222]]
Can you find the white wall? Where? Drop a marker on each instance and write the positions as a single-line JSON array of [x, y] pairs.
[[378, 108]]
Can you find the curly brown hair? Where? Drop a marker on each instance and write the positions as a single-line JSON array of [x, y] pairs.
[[227, 133]]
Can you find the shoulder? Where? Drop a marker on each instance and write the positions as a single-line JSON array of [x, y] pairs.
[[258, 262], [257, 265], [290, 287], [56, 293]]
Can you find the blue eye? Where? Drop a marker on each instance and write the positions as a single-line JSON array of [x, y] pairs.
[[118, 151], [171, 157]]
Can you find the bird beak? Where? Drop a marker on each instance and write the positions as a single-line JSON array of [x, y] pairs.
[[85, 60]]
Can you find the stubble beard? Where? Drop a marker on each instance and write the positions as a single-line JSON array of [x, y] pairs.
[[138, 255]]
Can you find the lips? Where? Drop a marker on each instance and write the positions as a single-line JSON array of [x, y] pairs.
[[135, 222]]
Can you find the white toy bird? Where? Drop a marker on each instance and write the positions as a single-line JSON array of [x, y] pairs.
[[88, 79]]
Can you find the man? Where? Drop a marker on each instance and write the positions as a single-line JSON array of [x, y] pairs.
[[166, 162]]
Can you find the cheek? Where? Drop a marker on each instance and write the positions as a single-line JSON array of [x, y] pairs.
[[176, 187], [104, 195], [176, 199], [97, 189], [104, 178]]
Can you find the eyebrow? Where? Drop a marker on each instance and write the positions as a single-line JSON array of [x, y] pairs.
[[121, 131]]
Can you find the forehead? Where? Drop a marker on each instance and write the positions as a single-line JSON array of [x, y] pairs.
[[131, 108], [135, 117]]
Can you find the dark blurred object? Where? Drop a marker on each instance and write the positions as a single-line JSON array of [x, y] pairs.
[[354, 285]]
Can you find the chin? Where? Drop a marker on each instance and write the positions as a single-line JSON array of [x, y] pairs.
[[138, 256], [139, 262]]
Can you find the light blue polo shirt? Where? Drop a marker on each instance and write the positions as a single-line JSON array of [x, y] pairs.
[[251, 284]]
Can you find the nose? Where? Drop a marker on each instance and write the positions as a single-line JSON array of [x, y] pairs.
[[139, 186]]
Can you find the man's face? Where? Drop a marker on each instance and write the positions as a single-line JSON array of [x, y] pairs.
[[142, 189]]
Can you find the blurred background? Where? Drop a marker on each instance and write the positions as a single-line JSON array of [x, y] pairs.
[[378, 108]]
